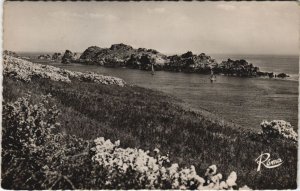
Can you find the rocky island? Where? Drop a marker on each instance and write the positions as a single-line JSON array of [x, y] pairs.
[[122, 55]]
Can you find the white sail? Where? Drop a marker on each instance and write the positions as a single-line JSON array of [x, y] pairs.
[[152, 69]]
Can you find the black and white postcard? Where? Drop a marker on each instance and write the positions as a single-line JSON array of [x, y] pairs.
[[151, 95]]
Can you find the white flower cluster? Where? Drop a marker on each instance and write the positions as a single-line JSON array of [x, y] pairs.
[[93, 77], [26, 71], [279, 128], [153, 172]]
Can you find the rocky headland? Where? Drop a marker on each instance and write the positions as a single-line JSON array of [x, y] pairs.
[[122, 55]]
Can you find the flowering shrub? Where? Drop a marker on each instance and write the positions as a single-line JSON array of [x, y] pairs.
[[25, 71], [136, 169], [28, 126], [279, 128], [33, 155], [26, 130]]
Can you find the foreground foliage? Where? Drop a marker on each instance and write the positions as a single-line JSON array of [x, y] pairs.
[[35, 157], [148, 119]]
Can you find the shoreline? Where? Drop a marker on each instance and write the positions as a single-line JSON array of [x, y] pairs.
[[122, 55]]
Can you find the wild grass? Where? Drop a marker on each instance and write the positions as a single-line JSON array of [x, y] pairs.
[[146, 119]]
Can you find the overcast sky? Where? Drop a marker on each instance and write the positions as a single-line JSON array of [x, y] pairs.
[[169, 27]]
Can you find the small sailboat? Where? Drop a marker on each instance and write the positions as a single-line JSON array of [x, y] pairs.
[[212, 76], [152, 69]]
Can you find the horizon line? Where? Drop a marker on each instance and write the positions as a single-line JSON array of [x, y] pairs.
[[170, 53]]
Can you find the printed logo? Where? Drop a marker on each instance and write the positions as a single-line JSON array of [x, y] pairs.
[[264, 160]]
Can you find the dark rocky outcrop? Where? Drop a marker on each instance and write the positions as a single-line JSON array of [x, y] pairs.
[[282, 75], [44, 57], [146, 62], [189, 62], [68, 57], [133, 62], [237, 68], [57, 56], [90, 52]]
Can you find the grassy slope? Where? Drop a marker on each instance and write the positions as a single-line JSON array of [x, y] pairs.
[[146, 119]]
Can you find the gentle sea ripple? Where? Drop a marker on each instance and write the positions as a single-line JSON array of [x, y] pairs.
[[245, 101]]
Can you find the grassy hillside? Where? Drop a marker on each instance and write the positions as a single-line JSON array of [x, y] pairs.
[[148, 119]]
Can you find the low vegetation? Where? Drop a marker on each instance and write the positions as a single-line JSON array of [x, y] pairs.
[[140, 118]]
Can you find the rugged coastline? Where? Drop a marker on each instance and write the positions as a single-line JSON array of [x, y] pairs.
[[122, 55]]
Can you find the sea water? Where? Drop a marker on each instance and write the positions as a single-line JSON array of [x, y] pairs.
[[244, 101]]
